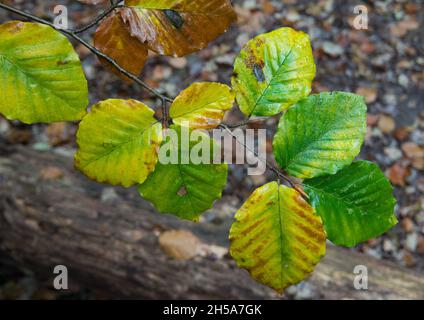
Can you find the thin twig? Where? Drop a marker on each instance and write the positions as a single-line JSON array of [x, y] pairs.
[[98, 53], [269, 166], [164, 99], [95, 22]]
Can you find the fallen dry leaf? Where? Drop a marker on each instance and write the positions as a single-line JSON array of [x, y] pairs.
[[179, 244], [386, 124], [412, 150], [398, 174], [51, 173], [370, 94], [401, 28]]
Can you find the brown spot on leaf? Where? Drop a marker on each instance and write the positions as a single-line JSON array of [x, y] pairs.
[[182, 192], [16, 27], [62, 62]]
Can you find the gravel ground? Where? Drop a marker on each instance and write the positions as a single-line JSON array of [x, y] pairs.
[[384, 63]]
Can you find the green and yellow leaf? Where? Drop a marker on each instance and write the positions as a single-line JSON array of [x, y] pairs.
[[41, 78], [321, 134], [277, 237], [185, 188], [202, 105], [273, 72], [113, 39], [356, 204], [118, 142], [178, 27]]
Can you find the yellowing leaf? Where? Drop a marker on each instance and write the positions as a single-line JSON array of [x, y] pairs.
[[113, 39], [273, 72], [118, 142], [202, 105], [178, 27], [41, 76], [277, 237], [186, 188]]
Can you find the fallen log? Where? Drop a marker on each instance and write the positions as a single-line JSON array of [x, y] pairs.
[[113, 246]]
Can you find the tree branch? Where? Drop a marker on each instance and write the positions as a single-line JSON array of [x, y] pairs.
[[98, 53], [269, 166], [164, 99], [95, 22]]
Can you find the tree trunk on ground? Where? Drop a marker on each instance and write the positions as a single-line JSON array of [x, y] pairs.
[[112, 246]]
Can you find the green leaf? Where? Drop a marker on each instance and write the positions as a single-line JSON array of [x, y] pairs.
[[184, 187], [321, 134], [41, 78], [118, 142], [356, 204], [273, 72], [277, 237], [202, 105]]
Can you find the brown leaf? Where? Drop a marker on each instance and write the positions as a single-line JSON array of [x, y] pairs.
[[179, 244], [412, 150], [401, 133], [58, 133], [398, 174], [386, 124], [370, 94], [51, 173], [92, 2], [401, 28], [113, 39], [187, 26]]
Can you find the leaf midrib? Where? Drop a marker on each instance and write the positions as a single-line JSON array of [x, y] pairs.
[[18, 67], [271, 82], [118, 146]]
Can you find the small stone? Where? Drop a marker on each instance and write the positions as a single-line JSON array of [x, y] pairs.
[[388, 245], [332, 49], [109, 195], [393, 153], [411, 242], [179, 244], [403, 81], [178, 63]]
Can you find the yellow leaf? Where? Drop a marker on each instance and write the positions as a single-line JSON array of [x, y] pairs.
[[273, 72], [202, 105], [277, 237], [41, 75], [118, 142]]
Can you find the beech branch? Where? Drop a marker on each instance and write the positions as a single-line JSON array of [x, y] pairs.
[[74, 34]]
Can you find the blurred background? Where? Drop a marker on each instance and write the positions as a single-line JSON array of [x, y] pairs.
[[385, 64]]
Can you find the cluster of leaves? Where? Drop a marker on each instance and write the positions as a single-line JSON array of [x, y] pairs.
[[167, 27], [280, 232]]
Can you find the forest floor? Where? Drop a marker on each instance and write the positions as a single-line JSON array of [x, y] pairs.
[[384, 63]]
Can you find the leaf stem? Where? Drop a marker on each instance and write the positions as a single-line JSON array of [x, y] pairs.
[[95, 22], [269, 166]]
